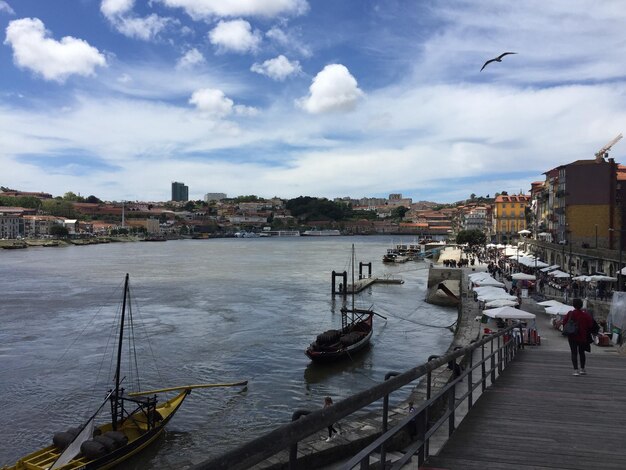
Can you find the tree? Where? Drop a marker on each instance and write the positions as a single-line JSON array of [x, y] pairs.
[[58, 231], [472, 196], [399, 212], [70, 196], [93, 200], [59, 208], [471, 237]]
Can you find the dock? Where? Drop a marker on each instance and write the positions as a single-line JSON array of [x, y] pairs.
[[537, 415], [362, 284]]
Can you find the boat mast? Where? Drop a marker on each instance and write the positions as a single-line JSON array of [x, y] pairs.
[[119, 357], [353, 287]]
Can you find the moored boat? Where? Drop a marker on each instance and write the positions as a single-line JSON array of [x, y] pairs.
[[321, 233], [354, 335], [136, 420]]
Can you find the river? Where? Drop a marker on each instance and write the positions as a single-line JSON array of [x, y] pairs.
[[219, 310]]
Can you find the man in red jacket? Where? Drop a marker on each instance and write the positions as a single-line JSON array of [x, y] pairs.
[[579, 342]]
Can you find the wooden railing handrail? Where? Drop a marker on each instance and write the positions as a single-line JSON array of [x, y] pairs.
[[281, 438]]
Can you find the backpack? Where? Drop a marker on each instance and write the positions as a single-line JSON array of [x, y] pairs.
[[570, 328]]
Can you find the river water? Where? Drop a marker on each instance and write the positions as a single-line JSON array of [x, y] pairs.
[[206, 311]]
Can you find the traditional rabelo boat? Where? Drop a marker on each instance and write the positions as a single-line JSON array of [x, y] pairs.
[[354, 335], [136, 420]]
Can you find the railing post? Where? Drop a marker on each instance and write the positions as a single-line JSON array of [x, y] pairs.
[[493, 364], [470, 382], [422, 424], [388, 375], [451, 407], [293, 449], [482, 366], [429, 377], [500, 355]]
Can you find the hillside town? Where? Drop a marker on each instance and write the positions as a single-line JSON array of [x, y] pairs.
[[573, 217]]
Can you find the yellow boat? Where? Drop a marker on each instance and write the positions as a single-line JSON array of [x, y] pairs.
[[135, 422]]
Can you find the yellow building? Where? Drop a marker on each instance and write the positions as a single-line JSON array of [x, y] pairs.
[[509, 216]]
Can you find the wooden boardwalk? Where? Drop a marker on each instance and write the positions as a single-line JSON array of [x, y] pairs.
[[539, 416]]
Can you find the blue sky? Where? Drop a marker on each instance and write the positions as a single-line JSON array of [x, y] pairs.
[[118, 98]]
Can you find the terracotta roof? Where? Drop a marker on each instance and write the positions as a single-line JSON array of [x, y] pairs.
[[516, 198]]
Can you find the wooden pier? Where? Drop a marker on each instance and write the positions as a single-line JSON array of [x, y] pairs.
[[537, 415], [362, 284]]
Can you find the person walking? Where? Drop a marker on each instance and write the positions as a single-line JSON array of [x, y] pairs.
[[579, 339], [331, 430]]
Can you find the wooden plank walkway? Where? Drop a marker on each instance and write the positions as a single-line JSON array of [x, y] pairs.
[[539, 416]]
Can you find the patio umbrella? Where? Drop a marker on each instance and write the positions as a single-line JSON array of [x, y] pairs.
[[508, 313], [559, 309], [550, 303], [524, 232], [501, 303], [598, 277], [524, 277]]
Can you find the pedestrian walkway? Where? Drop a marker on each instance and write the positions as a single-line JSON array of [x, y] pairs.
[[538, 415]]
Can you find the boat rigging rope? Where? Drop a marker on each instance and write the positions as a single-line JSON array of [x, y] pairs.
[[393, 315]]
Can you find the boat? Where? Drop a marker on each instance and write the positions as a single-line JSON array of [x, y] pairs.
[[136, 420], [15, 246], [354, 335], [321, 233]]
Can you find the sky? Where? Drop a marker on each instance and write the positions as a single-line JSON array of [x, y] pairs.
[[359, 98]]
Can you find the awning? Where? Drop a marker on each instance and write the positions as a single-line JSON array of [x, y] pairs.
[[509, 313], [524, 277], [550, 268]]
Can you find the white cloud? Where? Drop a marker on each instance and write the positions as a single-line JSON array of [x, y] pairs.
[[277, 68], [333, 89], [124, 78], [111, 8], [4, 6], [202, 9], [53, 60], [214, 103], [120, 15], [289, 41], [190, 59], [145, 28], [235, 36]]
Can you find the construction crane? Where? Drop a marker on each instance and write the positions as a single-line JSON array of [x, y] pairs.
[[604, 151]]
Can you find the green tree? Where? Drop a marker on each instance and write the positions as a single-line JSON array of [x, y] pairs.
[[471, 237], [29, 202], [399, 212], [59, 208], [70, 196], [58, 231], [311, 208], [93, 200]]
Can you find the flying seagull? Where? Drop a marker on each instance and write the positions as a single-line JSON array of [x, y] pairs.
[[497, 59]]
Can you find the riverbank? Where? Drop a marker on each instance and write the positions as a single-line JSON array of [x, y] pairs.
[[53, 242]]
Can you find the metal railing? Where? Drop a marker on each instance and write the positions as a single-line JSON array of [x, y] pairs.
[[502, 349]]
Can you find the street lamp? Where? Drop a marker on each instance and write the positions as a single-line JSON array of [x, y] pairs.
[[619, 266]]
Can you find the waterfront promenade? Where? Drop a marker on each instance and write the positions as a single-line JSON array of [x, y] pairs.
[[538, 415]]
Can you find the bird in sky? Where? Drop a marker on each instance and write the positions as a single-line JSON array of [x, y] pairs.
[[497, 59]]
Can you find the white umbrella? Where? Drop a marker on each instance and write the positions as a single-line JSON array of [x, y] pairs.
[[582, 278], [524, 277], [501, 303], [559, 274], [550, 303], [550, 268], [598, 277], [509, 313], [524, 232], [559, 309]]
